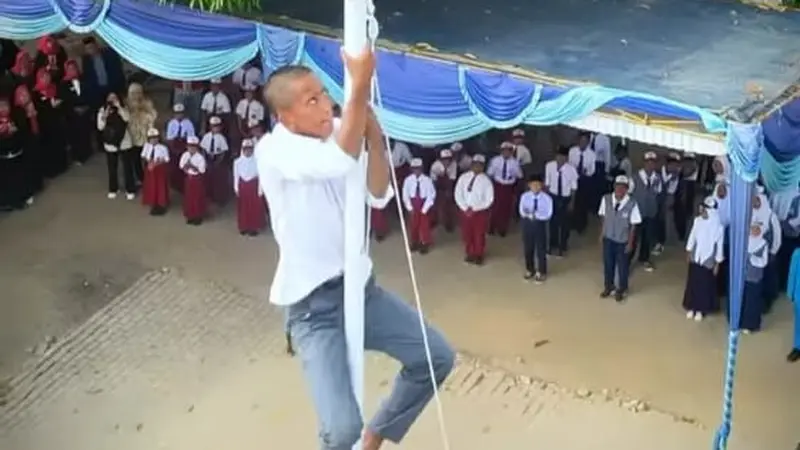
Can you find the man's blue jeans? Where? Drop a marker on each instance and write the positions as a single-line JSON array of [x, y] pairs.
[[615, 259], [392, 327]]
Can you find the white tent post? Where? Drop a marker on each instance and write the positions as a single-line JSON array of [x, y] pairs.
[[355, 39]]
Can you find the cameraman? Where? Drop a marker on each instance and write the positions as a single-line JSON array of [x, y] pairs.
[[112, 122]]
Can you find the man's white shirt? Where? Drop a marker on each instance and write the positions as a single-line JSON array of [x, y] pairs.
[[304, 182]]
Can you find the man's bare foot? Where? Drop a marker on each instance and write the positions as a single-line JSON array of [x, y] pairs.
[[372, 441]]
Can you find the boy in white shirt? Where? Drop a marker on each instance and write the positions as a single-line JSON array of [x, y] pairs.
[[419, 195], [505, 172], [215, 103], [247, 75], [250, 112], [561, 181], [179, 129], [582, 158], [215, 148], [521, 151]]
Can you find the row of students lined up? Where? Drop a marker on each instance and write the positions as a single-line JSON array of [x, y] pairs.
[[196, 171]]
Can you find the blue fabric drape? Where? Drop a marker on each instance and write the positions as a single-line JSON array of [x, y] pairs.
[[781, 161]]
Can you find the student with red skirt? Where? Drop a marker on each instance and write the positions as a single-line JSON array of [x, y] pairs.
[[474, 196], [215, 147], [251, 213], [155, 159], [193, 165], [419, 195], [505, 172]]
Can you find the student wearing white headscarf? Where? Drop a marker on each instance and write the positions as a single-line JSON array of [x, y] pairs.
[[723, 199], [773, 235], [757, 259], [705, 253]]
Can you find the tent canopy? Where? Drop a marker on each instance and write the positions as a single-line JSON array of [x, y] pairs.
[[423, 99], [687, 50]]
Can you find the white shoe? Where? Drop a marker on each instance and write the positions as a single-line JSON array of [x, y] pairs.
[[112, 195], [690, 314], [698, 317], [29, 201], [130, 196]]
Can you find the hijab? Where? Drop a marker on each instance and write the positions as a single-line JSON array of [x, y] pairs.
[[723, 204], [71, 70], [22, 99], [726, 169], [44, 84], [47, 45], [707, 232]]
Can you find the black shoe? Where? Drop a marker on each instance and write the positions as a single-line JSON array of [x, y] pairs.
[[478, 260], [620, 296], [424, 249], [380, 237], [469, 259], [793, 355], [606, 292], [502, 234], [528, 275], [253, 234], [415, 247]]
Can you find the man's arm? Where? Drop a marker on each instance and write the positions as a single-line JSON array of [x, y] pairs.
[[356, 111]]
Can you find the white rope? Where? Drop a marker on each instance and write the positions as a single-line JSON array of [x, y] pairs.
[[373, 30]]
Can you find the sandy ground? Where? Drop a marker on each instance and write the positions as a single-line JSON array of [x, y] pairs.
[[75, 251]]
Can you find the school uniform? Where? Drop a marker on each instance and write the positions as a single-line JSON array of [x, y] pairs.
[[155, 191], [684, 198], [601, 145], [190, 95], [620, 218], [194, 190], [523, 154], [52, 122], [444, 178], [250, 114], [584, 162], [80, 128], [419, 195], [474, 196], [753, 296], [216, 104], [646, 190], [251, 215], [218, 181], [178, 130], [16, 189], [562, 183], [705, 246], [535, 211], [505, 174], [247, 76]]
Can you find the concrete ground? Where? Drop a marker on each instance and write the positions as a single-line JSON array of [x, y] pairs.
[[190, 356]]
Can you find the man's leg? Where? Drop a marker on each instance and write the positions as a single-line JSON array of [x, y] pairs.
[[609, 266], [316, 325], [393, 327]]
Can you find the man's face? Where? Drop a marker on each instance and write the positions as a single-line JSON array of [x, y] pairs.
[[506, 152], [214, 87], [310, 110], [561, 158], [620, 189], [477, 167], [583, 141], [535, 186], [650, 165]]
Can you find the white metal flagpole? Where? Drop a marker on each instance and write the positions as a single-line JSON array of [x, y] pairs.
[[355, 217]]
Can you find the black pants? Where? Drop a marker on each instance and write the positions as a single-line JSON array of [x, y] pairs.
[[534, 242], [661, 223], [559, 224], [138, 167], [112, 161], [583, 204], [645, 239]]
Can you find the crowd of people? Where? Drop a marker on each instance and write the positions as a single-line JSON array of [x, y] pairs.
[[55, 112]]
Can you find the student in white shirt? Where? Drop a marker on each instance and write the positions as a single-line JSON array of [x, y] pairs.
[[215, 103], [505, 172], [251, 215], [684, 204], [601, 145], [582, 158], [419, 195], [704, 253], [535, 211], [757, 260], [462, 158], [179, 129], [250, 111], [474, 195], [521, 151], [303, 167], [444, 172], [155, 159], [217, 152], [247, 75], [193, 164], [561, 181], [774, 237], [401, 157]]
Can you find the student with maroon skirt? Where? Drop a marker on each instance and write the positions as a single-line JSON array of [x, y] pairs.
[[193, 165], [155, 159], [251, 213]]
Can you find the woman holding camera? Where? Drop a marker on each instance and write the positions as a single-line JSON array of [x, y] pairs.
[[112, 122]]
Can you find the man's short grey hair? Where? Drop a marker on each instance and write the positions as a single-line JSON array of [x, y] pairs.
[[277, 90]]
